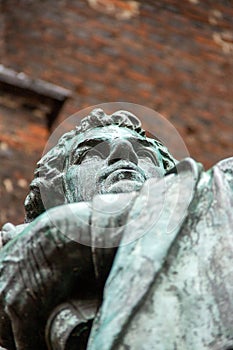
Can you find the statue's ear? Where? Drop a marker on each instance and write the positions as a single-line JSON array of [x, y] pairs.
[[46, 189], [33, 203]]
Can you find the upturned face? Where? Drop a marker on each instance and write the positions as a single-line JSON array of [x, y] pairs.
[[110, 159]]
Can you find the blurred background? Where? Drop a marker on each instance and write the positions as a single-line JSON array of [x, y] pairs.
[[60, 56]]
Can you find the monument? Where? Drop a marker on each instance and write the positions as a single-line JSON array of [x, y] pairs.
[[123, 247]]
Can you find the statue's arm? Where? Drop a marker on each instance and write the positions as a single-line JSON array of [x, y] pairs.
[[65, 254], [39, 269]]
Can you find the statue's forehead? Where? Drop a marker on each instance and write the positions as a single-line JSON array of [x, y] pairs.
[[107, 133]]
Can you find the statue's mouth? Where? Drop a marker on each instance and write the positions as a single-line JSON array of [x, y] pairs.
[[123, 170], [124, 174]]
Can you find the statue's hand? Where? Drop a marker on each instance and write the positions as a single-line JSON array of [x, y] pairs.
[[41, 268], [10, 231]]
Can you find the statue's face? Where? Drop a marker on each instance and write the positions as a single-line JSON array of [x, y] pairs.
[[110, 159]]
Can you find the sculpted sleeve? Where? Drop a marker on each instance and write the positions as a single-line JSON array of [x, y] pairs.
[[56, 268], [39, 269], [173, 288]]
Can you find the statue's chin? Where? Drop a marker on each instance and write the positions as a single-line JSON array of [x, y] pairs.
[[123, 186]]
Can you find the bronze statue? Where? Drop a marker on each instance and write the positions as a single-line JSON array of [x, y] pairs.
[[117, 231]]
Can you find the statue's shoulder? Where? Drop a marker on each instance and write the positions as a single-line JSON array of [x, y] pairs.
[[226, 165], [214, 191], [224, 168], [217, 179], [220, 179]]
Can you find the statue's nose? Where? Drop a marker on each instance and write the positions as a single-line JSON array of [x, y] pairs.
[[122, 150]]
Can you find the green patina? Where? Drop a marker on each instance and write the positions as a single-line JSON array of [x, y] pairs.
[[114, 223]]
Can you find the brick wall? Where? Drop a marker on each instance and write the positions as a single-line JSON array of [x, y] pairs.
[[172, 56], [2, 31], [22, 137]]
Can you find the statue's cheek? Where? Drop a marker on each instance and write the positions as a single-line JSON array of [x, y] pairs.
[[70, 184], [82, 181], [150, 169]]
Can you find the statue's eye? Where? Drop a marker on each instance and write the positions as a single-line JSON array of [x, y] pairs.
[[91, 154], [146, 154]]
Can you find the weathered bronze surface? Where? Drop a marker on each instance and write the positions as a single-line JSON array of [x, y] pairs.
[[123, 247]]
